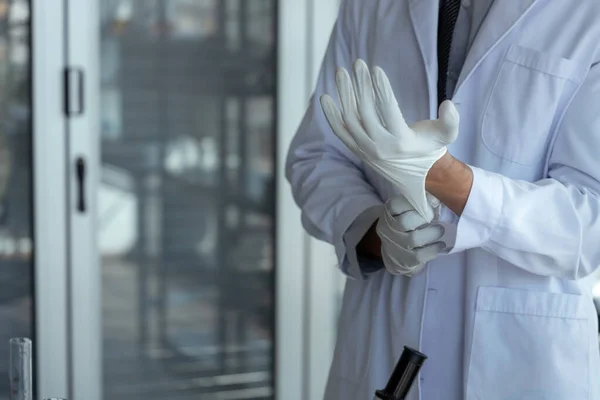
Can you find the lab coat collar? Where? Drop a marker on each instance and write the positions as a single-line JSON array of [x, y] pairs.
[[500, 20], [424, 15]]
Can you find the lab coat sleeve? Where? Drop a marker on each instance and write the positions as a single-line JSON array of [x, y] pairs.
[[327, 181], [550, 227]]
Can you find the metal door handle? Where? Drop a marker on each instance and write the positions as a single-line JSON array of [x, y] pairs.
[[80, 171]]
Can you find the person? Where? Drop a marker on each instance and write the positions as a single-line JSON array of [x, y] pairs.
[[489, 279]]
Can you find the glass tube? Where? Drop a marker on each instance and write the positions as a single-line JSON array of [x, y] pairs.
[[20, 369]]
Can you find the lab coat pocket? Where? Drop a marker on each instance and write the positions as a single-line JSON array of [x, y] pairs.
[[528, 345], [523, 103]]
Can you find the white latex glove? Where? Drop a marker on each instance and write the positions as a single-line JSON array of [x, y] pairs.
[[408, 241], [371, 125]]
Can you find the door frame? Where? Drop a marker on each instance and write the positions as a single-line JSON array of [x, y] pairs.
[[49, 198], [83, 145]]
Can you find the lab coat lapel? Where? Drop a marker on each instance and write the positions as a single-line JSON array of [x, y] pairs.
[[501, 18], [424, 17]]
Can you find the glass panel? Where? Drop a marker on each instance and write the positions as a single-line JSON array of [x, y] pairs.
[[187, 198], [16, 237]]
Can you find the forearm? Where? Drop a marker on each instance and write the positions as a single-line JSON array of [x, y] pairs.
[[545, 227], [450, 181]]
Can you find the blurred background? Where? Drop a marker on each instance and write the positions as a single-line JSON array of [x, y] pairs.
[[148, 241]]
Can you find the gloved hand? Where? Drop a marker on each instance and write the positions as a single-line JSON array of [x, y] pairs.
[[408, 241], [371, 125]]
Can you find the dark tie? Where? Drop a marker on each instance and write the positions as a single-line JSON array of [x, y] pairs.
[[447, 21]]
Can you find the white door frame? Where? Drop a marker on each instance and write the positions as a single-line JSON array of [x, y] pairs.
[[50, 215], [85, 283]]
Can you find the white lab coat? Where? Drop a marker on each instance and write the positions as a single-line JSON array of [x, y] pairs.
[[529, 97]]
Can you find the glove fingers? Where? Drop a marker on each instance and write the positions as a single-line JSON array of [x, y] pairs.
[[347, 97], [429, 252], [425, 236], [366, 100], [397, 205], [448, 122], [409, 221], [406, 221], [387, 103], [335, 119], [390, 265], [350, 111], [397, 267], [410, 266], [411, 240]]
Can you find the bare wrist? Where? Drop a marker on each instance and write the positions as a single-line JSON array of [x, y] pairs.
[[370, 244], [440, 168], [450, 180]]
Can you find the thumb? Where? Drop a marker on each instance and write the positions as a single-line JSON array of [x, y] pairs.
[[448, 122]]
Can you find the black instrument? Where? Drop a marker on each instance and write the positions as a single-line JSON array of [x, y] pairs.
[[405, 373]]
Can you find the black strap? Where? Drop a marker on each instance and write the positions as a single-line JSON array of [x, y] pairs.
[[449, 10]]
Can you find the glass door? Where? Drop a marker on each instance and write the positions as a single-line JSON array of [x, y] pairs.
[[172, 284], [16, 171], [32, 196], [32, 190], [186, 209]]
